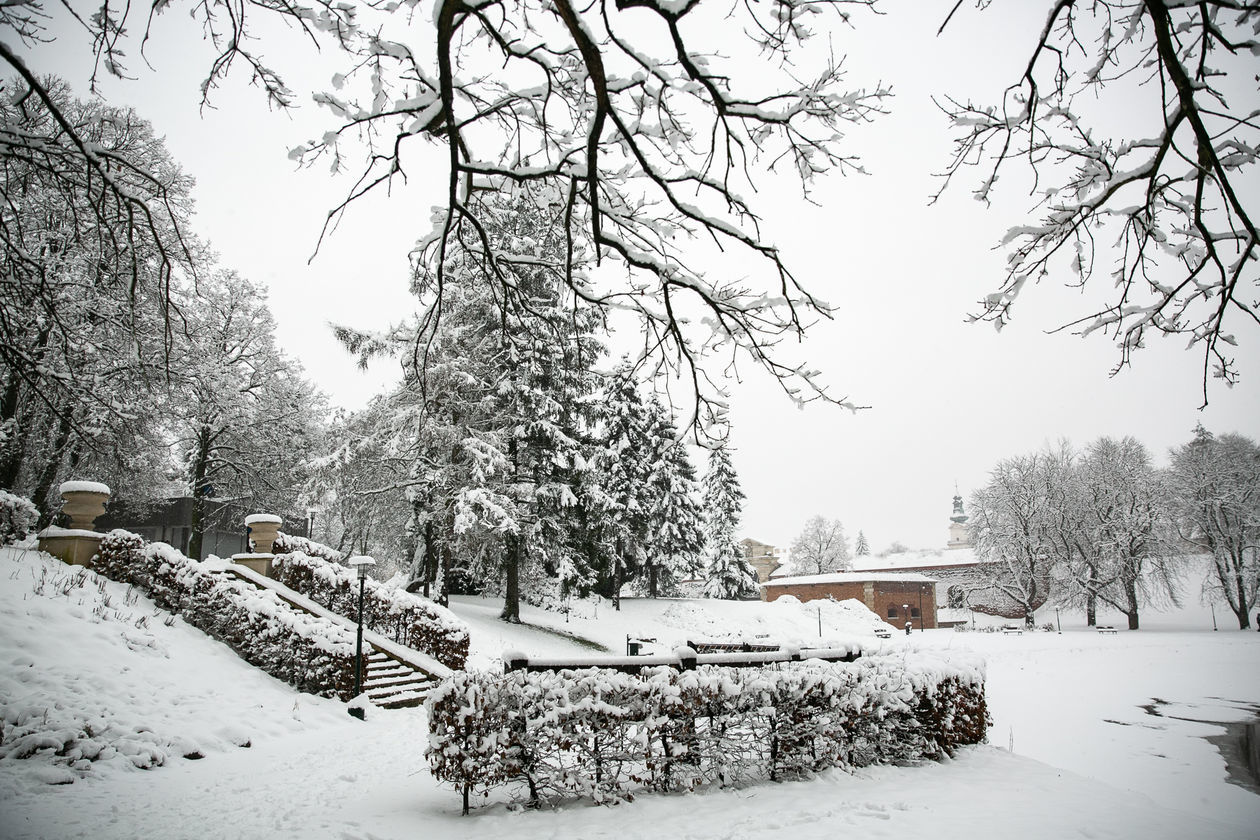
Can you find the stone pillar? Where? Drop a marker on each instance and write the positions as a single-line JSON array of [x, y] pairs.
[[262, 528], [82, 501]]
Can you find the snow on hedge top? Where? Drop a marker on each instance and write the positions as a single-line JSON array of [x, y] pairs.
[[262, 517], [851, 577], [82, 487]]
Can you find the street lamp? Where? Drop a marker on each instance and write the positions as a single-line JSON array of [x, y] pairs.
[[922, 623], [310, 522], [1058, 623], [360, 564], [905, 608]]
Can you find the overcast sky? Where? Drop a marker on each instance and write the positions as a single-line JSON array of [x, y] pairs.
[[947, 399]]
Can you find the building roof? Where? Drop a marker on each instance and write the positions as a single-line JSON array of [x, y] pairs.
[[927, 559], [851, 577]]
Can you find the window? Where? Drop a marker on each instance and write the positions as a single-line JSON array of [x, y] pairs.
[[892, 611], [914, 612]]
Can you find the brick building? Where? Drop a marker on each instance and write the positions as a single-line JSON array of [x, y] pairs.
[[893, 596]]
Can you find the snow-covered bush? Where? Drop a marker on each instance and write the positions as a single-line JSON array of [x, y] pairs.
[[17, 518], [312, 654], [409, 619], [287, 544], [600, 733]]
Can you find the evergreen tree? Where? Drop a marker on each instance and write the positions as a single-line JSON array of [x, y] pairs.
[[625, 466], [862, 548], [730, 575], [675, 542]]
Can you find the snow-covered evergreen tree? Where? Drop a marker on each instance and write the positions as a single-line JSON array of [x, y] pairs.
[[730, 575], [625, 466], [862, 548], [675, 542]]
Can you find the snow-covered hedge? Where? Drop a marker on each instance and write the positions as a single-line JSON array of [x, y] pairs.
[[287, 544], [312, 654], [17, 518], [411, 620], [600, 733]]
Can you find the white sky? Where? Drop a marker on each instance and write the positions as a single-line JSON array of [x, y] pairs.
[[947, 399]]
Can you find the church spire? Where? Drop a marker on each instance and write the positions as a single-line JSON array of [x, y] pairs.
[[958, 537]]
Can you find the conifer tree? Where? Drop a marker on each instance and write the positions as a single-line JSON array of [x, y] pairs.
[[730, 575], [625, 468], [862, 548], [675, 541]]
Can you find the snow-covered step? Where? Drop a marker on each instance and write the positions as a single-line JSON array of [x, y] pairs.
[[403, 679]]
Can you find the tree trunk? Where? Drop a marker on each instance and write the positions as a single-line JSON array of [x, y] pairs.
[[11, 458], [1130, 591], [616, 577], [430, 556], [1244, 609], [652, 581], [512, 580], [11, 468], [43, 487], [197, 516]]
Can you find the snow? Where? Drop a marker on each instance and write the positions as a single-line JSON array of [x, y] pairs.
[[82, 487], [262, 517], [52, 532], [850, 577], [1088, 757], [915, 559]]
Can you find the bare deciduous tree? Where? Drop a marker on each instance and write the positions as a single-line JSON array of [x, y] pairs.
[[821, 547], [649, 135], [1166, 209]]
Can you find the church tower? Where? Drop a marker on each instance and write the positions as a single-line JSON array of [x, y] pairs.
[[958, 525]]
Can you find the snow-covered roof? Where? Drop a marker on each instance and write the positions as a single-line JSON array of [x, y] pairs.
[[922, 559], [851, 577]]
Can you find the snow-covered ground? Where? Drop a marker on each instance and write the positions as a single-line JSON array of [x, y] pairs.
[[1088, 759]]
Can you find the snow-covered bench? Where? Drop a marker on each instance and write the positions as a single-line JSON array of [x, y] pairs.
[[1107, 629], [1013, 630]]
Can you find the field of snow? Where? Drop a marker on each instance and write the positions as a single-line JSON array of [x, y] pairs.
[[1094, 736]]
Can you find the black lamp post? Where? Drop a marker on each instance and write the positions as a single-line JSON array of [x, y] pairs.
[[360, 564], [1058, 623], [921, 621], [905, 608]]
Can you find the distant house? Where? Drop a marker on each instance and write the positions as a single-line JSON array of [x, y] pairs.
[[896, 597], [764, 558]]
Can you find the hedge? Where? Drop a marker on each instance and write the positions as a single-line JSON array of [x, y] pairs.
[[410, 620], [601, 734], [310, 653]]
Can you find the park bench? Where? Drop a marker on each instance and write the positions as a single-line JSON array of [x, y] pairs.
[[1107, 629], [1013, 630]]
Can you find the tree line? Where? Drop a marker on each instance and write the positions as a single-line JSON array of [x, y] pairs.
[[128, 354], [508, 459], [1103, 526]]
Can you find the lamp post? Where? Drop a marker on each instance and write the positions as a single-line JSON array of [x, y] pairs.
[[360, 564], [905, 608], [921, 621], [1058, 623], [310, 522]]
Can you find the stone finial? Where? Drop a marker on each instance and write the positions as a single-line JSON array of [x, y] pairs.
[[263, 528], [82, 502]]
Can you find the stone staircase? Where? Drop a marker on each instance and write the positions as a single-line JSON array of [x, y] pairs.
[[392, 676], [393, 684]]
